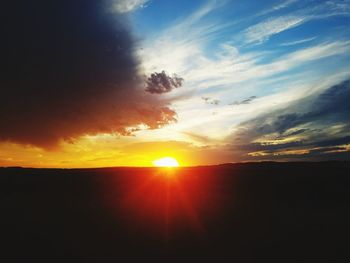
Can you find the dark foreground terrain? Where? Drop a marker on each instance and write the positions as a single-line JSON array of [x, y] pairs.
[[267, 212]]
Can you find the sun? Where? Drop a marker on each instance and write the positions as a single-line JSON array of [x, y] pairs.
[[166, 162]]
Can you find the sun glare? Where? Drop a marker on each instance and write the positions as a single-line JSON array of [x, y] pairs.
[[166, 162]]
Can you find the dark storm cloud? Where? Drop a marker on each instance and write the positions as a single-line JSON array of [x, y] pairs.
[[314, 127], [245, 101], [330, 107], [67, 69], [159, 83]]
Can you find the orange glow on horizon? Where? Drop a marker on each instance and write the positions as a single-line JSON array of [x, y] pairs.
[[108, 151]]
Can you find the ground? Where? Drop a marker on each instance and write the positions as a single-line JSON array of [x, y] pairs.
[[254, 212]]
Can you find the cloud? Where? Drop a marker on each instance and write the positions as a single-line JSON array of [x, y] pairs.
[[283, 5], [278, 7], [211, 101], [245, 101], [159, 83], [68, 69], [184, 48], [262, 31], [198, 137], [308, 127], [297, 42], [206, 54], [338, 6], [125, 6]]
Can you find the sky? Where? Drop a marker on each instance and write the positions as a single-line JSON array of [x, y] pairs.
[[124, 82]]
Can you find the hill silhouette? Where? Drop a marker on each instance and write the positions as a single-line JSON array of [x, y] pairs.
[[249, 212]]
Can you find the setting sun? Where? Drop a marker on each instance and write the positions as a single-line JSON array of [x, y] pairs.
[[166, 162]]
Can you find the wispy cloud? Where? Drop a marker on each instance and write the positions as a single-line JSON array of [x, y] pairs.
[[338, 6], [225, 73], [278, 7], [297, 42], [245, 101], [125, 6], [236, 68], [261, 32], [314, 125], [284, 4], [264, 30]]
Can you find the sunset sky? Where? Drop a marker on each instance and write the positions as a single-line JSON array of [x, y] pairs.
[[124, 82]]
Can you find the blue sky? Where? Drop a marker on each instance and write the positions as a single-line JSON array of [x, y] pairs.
[[274, 52], [205, 81]]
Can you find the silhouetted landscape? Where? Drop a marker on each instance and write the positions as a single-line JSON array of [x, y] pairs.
[[253, 212], [222, 126]]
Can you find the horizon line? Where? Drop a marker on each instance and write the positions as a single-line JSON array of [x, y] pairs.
[[180, 167]]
